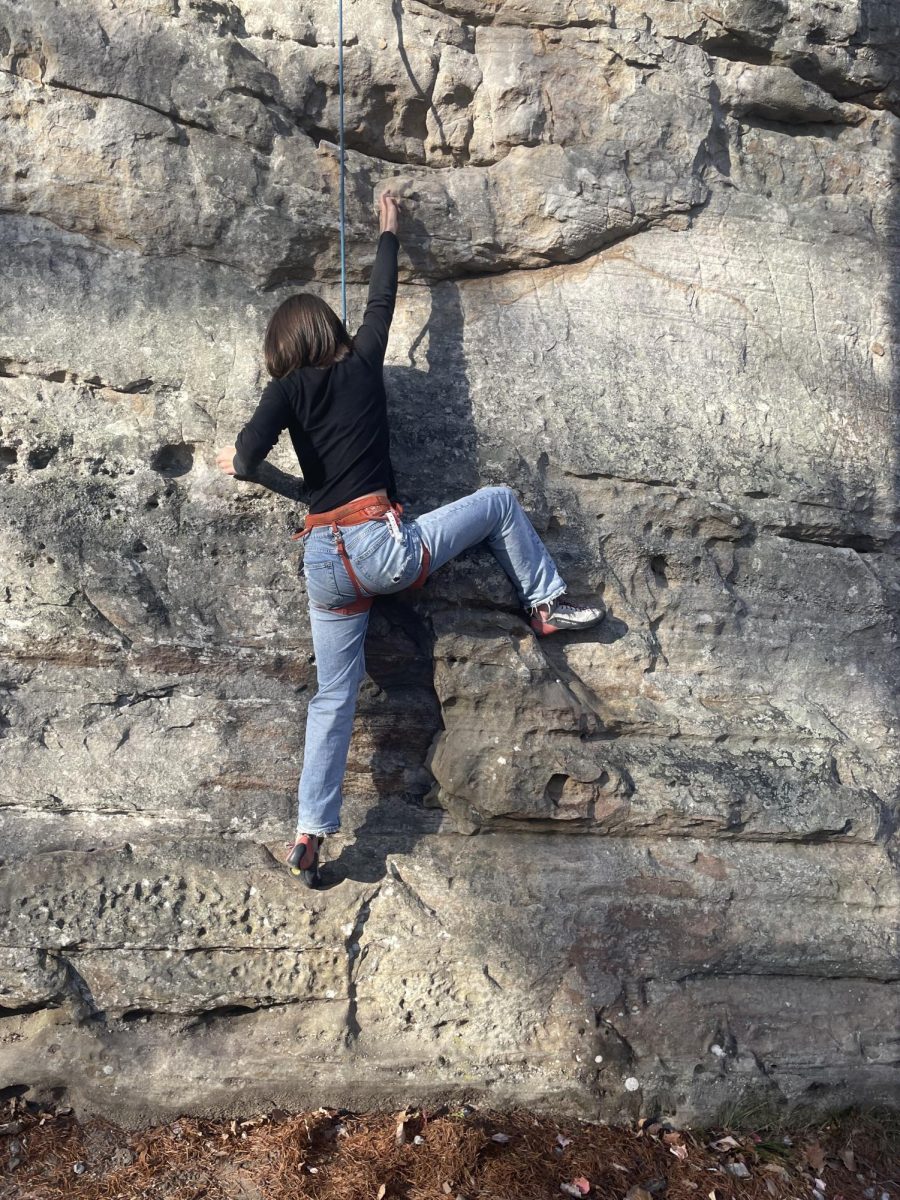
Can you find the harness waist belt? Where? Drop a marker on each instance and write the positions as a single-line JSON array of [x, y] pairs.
[[364, 508]]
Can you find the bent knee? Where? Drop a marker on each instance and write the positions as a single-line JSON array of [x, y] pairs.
[[503, 492]]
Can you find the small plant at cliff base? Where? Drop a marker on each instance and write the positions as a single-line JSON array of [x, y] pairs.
[[453, 1152]]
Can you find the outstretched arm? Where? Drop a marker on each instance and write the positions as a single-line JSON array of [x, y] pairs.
[[372, 336]]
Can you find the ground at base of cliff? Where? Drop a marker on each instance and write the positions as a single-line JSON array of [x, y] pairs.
[[459, 1152]]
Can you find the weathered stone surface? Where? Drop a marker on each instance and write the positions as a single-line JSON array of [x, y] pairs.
[[664, 960], [649, 281]]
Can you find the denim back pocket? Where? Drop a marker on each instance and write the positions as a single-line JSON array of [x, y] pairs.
[[391, 565], [321, 585], [365, 539]]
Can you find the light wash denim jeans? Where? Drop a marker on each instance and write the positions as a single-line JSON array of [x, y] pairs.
[[383, 564]]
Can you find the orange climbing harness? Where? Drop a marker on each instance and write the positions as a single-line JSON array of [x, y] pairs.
[[364, 508]]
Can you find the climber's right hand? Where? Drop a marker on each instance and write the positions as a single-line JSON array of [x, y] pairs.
[[388, 211]]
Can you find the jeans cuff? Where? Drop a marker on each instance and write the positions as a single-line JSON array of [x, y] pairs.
[[548, 599], [318, 832]]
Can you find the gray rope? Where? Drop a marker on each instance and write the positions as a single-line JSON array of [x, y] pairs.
[[343, 212]]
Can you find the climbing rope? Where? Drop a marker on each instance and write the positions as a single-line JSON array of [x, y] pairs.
[[342, 202]]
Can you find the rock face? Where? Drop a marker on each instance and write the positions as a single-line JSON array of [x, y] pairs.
[[649, 281]]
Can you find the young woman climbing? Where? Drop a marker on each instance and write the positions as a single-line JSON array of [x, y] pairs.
[[327, 389]]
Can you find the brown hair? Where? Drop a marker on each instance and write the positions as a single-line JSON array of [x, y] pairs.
[[304, 331]]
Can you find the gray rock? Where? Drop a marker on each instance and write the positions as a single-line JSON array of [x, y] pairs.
[[649, 281]]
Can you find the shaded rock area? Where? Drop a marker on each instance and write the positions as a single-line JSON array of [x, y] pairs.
[[649, 282]]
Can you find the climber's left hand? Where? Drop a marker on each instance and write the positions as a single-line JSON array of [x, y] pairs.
[[225, 460]]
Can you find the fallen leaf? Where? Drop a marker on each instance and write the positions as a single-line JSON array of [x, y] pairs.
[[772, 1189], [382, 1191], [671, 1136], [447, 1188], [619, 1167], [848, 1158], [725, 1143], [738, 1169], [563, 1141], [502, 1138], [679, 1151], [815, 1156]]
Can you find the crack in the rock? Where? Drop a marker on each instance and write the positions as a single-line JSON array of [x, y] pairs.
[[699, 976], [97, 94], [11, 368], [414, 895], [208, 1016], [487, 20], [76, 987], [80, 948], [129, 699], [126, 642], [66, 811], [686, 828], [837, 539], [833, 130], [26, 1008], [355, 955], [760, 57]]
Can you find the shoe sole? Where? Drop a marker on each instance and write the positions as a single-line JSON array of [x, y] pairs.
[[544, 628]]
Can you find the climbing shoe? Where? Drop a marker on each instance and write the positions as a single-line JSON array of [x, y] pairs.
[[304, 859], [557, 617]]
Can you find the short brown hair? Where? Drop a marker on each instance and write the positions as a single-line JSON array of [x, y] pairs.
[[304, 331]]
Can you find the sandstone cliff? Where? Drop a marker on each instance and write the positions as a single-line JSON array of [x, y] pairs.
[[649, 280]]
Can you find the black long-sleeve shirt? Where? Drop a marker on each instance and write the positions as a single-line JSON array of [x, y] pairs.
[[337, 415]]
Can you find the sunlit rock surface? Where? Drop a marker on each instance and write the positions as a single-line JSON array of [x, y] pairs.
[[649, 281]]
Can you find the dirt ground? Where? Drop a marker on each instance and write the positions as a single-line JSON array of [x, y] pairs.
[[462, 1153]]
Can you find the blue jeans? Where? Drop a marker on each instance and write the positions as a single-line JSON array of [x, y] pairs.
[[385, 563]]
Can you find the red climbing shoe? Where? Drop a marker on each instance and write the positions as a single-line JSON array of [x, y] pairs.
[[304, 859], [557, 617]]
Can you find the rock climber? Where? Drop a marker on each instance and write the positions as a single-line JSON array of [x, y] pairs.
[[328, 390]]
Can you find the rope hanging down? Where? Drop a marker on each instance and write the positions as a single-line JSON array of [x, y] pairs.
[[342, 204]]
